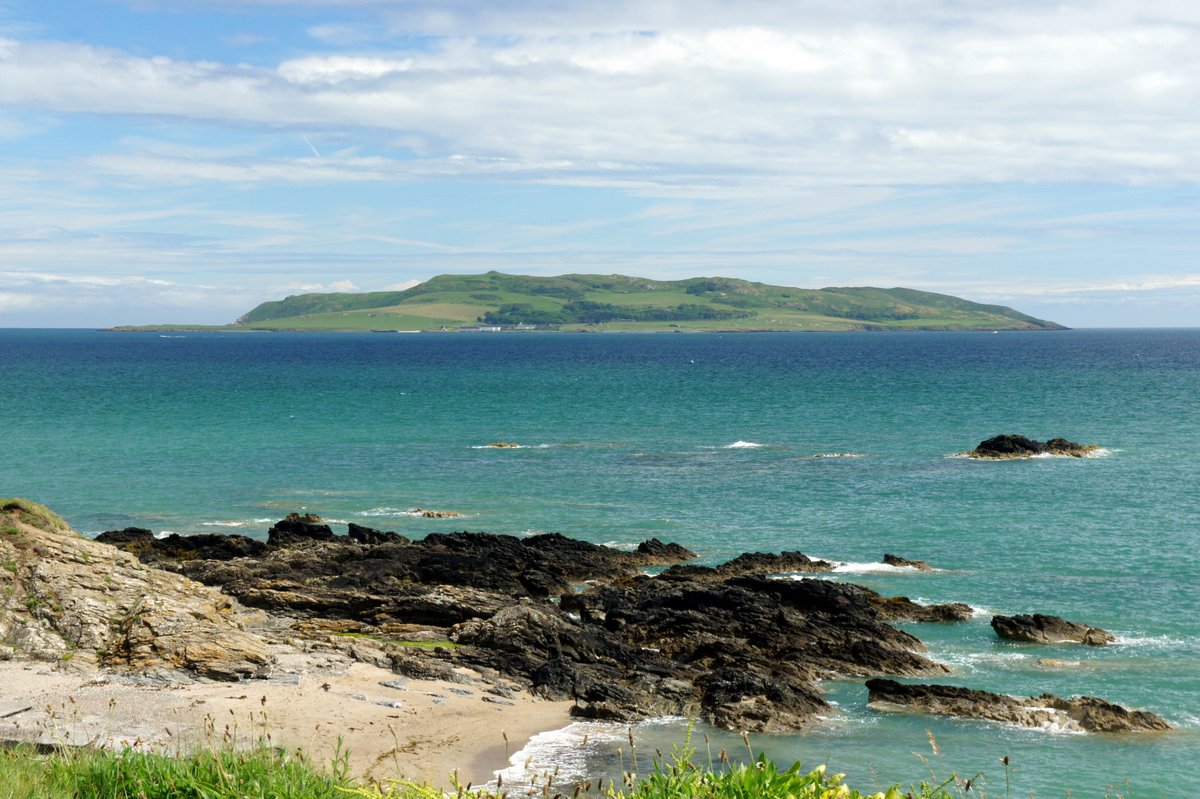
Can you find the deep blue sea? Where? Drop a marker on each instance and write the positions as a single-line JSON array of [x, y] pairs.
[[628, 436]]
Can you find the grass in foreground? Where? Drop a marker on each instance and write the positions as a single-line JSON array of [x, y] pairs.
[[267, 773]]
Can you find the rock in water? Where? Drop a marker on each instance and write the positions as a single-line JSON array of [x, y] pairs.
[[896, 560], [1040, 629], [1009, 447], [74, 600], [1080, 714]]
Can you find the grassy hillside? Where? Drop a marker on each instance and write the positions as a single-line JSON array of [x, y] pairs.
[[618, 302]]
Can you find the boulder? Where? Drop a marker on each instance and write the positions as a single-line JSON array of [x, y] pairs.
[[1078, 714], [1040, 629], [297, 529]]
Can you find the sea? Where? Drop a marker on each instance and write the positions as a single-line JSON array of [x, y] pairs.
[[843, 446]]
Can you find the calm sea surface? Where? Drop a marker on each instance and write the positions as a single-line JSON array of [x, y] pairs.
[[629, 436]]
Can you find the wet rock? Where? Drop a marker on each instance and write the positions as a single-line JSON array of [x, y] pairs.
[[1008, 447], [901, 608], [1084, 713], [1040, 629], [426, 513], [896, 560]]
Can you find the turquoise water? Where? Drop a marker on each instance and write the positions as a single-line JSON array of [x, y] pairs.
[[627, 436]]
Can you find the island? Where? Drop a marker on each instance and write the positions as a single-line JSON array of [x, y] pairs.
[[495, 302]]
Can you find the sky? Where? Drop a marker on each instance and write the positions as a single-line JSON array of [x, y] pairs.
[[184, 160]]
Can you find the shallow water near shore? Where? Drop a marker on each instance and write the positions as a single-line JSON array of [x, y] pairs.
[[625, 437]]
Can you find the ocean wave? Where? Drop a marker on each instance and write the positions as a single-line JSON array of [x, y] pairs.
[[1154, 642], [566, 751], [849, 567], [624, 546], [742, 445], [822, 455]]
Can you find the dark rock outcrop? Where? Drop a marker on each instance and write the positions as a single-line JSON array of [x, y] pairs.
[[896, 560], [728, 644], [1040, 629], [1084, 713], [175, 547], [1008, 447]]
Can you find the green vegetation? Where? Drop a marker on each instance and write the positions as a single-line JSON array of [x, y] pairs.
[[261, 773], [31, 513], [618, 302], [267, 773]]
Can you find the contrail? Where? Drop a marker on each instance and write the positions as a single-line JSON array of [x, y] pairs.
[[310, 146]]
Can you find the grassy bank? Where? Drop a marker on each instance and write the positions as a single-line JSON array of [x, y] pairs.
[[267, 773]]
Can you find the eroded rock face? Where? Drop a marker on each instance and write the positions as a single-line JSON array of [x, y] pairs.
[[1007, 447], [1037, 628], [76, 601], [1084, 713]]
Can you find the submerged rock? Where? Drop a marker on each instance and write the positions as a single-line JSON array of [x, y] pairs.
[[1083, 713], [1008, 447], [1040, 629]]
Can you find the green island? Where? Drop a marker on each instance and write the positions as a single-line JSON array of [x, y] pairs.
[[496, 301]]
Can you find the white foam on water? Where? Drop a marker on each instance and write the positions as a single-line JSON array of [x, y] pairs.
[[742, 445], [381, 511], [840, 567], [822, 455], [165, 533], [1155, 642], [224, 524], [564, 753], [624, 546]]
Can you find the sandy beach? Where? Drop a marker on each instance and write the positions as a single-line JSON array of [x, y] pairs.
[[412, 729]]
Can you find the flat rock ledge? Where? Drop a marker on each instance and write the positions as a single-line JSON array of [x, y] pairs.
[[1040, 629], [1077, 714], [1012, 447]]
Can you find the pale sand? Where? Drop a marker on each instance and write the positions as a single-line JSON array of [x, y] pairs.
[[432, 734]]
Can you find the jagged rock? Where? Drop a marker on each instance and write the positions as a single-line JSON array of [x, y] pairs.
[[1084, 713], [73, 600], [175, 547], [901, 608], [297, 529], [370, 536], [1041, 629], [896, 560], [504, 445], [749, 563], [1007, 447]]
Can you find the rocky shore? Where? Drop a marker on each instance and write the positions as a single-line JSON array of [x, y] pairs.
[[507, 620]]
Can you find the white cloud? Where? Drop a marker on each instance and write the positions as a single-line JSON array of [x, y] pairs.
[[404, 286], [710, 95]]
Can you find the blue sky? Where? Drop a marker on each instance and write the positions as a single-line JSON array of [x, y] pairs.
[[183, 160]]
